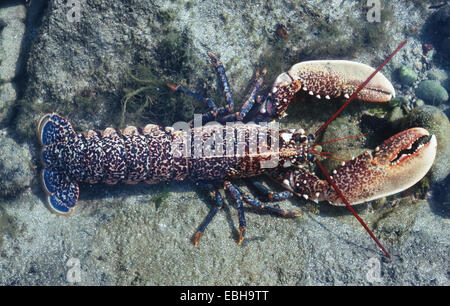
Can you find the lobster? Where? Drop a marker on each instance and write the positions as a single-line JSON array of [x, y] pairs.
[[224, 149]]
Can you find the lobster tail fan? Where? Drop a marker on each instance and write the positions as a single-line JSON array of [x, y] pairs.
[[53, 128], [62, 192], [63, 201]]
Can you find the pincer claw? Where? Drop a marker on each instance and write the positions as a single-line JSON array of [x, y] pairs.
[[397, 164]]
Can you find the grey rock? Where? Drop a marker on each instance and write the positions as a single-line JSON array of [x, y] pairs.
[[439, 25], [124, 239], [438, 75], [10, 44], [406, 75], [121, 236], [445, 45], [97, 53], [15, 167], [341, 127], [438, 30], [437, 123], [12, 11], [442, 20], [8, 95], [432, 92]]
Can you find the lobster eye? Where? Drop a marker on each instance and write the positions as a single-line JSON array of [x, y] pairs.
[[310, 137], [299, 138], [310, 157]]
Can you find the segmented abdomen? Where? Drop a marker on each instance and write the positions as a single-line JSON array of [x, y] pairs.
[[110, 156], [154, 154]]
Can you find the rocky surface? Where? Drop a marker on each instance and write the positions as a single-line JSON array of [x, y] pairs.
[[124, 234], [12, 17], [439, 28], [407, 76], [15, 167], [8, 96], [12, 30], [437, 123], [120, 237], [432, 92]]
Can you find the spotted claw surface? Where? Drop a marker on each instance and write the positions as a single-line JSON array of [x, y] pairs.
[[397, 164], [339, 77], [327, 79]]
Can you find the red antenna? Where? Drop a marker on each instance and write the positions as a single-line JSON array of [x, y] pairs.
[[320, 130]]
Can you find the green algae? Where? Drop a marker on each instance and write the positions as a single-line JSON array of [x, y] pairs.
[[406, 75], [379, 111], [432, 92], [174, 53], [166, 16], [160, 197], [393, 223], [394, 102], [146, 96]]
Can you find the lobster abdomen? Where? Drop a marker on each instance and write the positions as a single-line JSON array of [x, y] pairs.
[[111, 156], [151, 154]]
